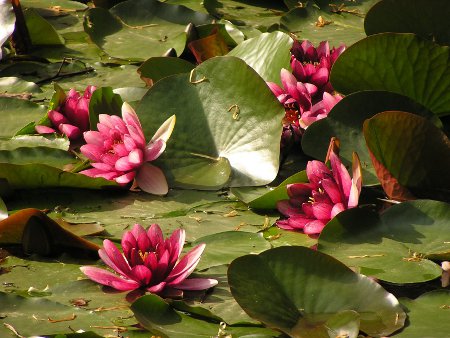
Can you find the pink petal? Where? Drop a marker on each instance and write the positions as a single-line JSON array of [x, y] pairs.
[[136, 157], [125, 178], [89, 91], [276, 89], [322, 211], [298, 222], [155, 235], [337, 208], [332, 190], [355, 190], [320, 77], [107, 278], [341, 175], [176, 241], [44, 130], [141, 274], [154, 149], [186, 265], [93, 137], [92, 152], [299, 190], [314, 227], [286, 208], [151, 179], [196, 284], [71, 131], [157, 288], [99, 173], [165, 130], [116, 257], [316, 171], [57, 118], [103, 167], [123, 164], [284, 224]]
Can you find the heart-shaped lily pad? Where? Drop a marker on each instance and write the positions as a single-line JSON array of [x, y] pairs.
[[226, 123], [428, 19], [266, 53], [139, 29], [297, 290], [345, 121], [411, 152], [400, 63], [397, 246]]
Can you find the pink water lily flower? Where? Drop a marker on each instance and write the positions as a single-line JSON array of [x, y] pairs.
[[329, 192], [72, 117], [313, 65], [150, 262], [319, 110], [118, 151]]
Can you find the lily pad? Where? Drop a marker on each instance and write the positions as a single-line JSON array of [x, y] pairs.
[[103, 101], [428, 19], [225, 124], [23, 314], [260, 14], [345, 121], [401, 63], [297, 290], [16, 85], [16, 113], [426, 315], [157, 68], [337, 28], [7, 22], [223, 247], [267, 197], [412, 150], [41, 31], [397, 246], [266, 53], [159, 317], [137, 30]]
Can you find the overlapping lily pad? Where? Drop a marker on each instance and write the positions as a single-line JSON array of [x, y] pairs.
[[397, 246], [137, 30], [225, 132], [428, 19], [412, 150], [400, 63], [426, 315], [159, 317], [16, 113], [345, 121], [266, 53], [300, 291]]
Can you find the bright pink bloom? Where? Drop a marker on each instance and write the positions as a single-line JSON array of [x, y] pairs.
[[118, 151], [300, 111], [72, 117], [313, 65], [151, 262], [311, 205]]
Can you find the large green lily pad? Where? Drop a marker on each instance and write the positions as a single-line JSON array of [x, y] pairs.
[[400, 63], [426, 315], [266, 53], [159, 317], [226, 132], [428, 19], [411, 149], [16, 113], [345, 121], [298, 291], [137, 30], [397, 246]]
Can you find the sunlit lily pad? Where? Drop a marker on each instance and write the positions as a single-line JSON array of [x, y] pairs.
[[226, 124], [428, 19], [345, 121], [16, 113], [400, 63], [266, 53], [137, 30], [299, 290], [397, 246]]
